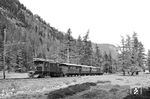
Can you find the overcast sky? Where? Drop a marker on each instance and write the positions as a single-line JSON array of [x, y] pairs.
[[107, 20]]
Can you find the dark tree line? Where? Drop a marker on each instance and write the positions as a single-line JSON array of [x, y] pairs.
[[81, 51]]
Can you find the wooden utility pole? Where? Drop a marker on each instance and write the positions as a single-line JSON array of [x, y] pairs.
[[68, 55], [4, 52], [68, 47]]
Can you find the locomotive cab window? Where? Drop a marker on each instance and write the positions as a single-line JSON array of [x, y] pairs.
[[38, 66]]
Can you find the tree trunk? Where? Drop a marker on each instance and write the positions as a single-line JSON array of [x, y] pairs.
[[124, 73], [132, 73]]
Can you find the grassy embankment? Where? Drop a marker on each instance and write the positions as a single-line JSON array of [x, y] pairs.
[[78, 88]]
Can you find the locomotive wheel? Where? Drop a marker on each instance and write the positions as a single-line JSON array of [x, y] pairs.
[[67, 75]]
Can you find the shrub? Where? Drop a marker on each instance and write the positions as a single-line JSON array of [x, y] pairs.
[[96, 94], [71, 90]]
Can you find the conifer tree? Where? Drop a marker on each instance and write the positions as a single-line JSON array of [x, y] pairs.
[[148, 60], [141, 55], [68, 51], [106, 62], [98, 56], [122, 55], [110, 60], [79, 49], [135, 50], [87, 51], [1, 46]]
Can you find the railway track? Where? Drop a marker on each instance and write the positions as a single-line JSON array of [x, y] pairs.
[[45, 79]]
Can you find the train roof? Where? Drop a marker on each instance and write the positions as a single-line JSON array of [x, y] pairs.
[[77, 65], [43, 60]]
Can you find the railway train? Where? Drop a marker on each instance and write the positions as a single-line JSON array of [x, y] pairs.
[[45, 67]]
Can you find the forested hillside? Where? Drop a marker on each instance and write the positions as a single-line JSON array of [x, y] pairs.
[[29, 36]]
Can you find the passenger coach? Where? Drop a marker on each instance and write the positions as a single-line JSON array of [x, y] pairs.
[[74, 69]]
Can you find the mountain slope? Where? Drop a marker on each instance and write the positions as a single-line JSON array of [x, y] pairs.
[[108, 48], [29, 36]]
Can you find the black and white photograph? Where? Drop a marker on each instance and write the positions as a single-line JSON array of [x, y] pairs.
[[74, 49]]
